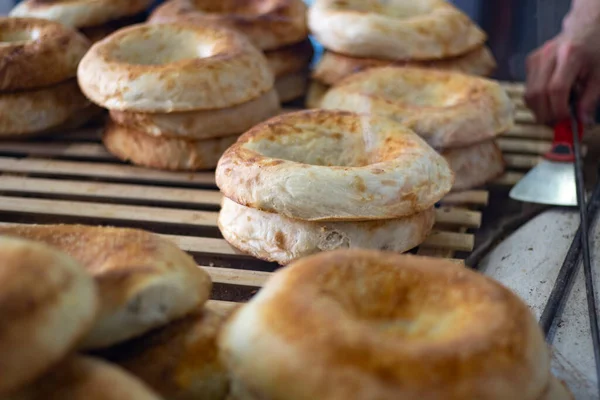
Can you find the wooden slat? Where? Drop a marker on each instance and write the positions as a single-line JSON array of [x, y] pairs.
[[522, 161], [444, 215], [20, 184], [524, 117], [237, 276], [106, 171], [524, 146], [509, 179], [530, 132], [91, 151]]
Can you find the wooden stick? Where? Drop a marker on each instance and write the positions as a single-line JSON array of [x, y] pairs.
[[530, 132], [525, 117], [520, 161], [524, 146], [444, 215], [469, 197], [509, 179], [92, 151]]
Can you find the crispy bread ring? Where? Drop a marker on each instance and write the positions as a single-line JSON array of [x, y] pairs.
[[385, 326], [333, 67], [395, 29], [48, 302], [475, 165], [292, 86], [80, 13], [173, 68], [145, 281], [315, 93], [333, 165], [180, 361], [85, 378], [447, 109], [175, 154], [269, 24], [272, 237], [39, 110], [198, 125], [36, 53], [289, 59]]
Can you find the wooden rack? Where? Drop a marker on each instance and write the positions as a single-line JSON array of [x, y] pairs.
[[70, 178]]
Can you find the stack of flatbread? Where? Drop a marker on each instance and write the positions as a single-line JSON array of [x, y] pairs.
[[130, 300], [361, 34]]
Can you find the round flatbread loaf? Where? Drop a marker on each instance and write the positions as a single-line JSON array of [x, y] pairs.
[[85, 378], [385, 326], [167, 68], [173, 154], [394, 29], [475, 165], [272, 237], [37, 53], [48, 302], [447, 109], [333, 165], [289, 59], [144, 281], [333, 67], [79, 13], [292, 86], [269, 25]]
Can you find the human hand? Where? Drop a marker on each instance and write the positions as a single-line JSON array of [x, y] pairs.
[[569, 60]]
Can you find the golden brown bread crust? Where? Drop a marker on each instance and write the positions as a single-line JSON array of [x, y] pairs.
[[144, 281], [99, 32], [173, 68], [323, 165], [333, 67], [275, 238], [36, 53], [289, 59], [172, 154], [198, 125], [79, 13], [85, 378], [48, 302], [40, 110], [180, 361], [475, 165], [315, 93], [447, 109], [394, 29], [269, 24], [385, 326]]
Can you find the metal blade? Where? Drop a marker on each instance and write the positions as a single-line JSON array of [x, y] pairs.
[[550, 183]]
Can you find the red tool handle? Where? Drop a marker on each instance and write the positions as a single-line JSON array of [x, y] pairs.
[[562, 144]]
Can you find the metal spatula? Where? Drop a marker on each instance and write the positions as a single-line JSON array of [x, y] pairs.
[[552, 181]]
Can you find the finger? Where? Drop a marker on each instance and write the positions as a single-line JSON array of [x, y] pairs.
[[569, 62], [540, 70], [589, 97]]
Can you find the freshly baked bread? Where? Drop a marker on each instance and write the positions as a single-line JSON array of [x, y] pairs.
[[272, 237], [144, 281], [269, 24], [370, 325], [167, 153], [394, 29], [180, 361], [85, 378], [289, 59], [33, 111], [333, 165], [48, 302], [333, 67], [292, 86], [200, 125], [173, 68], [79, 13], [315, 93], [37, 53], [99, 32], [447, 109], [475, 165]]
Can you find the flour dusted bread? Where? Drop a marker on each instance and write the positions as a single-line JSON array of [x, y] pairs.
[[333, 165], [447, 109], [272, 237], [36, 53], [180, 361], [269, 24], [385, 326], [333, 67], [79, 13], [173, 68], [475, 165], [144, 281], [48, 302], [85, 378], [395, 29]]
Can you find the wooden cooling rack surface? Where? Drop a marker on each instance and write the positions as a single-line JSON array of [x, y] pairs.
[[72, 179]]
